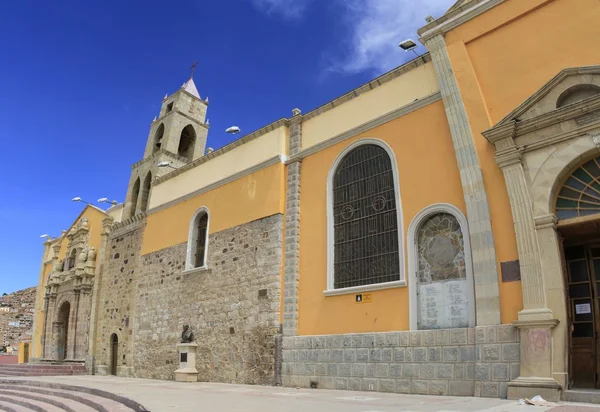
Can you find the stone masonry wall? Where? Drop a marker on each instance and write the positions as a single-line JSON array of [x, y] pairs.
[[458, 362], [117, 297], [232, 307]]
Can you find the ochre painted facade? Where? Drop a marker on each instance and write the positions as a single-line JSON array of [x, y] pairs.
[[60, 246], [236, 242]]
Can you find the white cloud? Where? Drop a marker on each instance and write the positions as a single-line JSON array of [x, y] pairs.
[[288, 9], [376, 28]]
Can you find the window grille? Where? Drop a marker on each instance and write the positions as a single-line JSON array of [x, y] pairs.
[[580, 194], [365, 219]]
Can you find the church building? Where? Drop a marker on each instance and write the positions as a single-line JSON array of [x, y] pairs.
[[434, 231]]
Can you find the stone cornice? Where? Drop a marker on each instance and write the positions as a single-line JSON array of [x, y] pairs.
[[160, 119], [269, 162], [384, 78], [455, 17], [497, 133], [157, 154], [544, 90], [223, 150], [394, 114], [512, 128], [128, 225], [509, 157], [546, 221]]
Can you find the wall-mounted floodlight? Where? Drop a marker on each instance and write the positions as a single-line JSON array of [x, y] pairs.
[[105, 200], [409, 45], [45, 236], [233, 130], [166, 164], [78, 199]]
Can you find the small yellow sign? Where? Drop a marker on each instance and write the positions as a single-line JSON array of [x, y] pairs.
[[363, 298]]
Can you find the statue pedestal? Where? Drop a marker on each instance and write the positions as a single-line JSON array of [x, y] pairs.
[[187, 371]]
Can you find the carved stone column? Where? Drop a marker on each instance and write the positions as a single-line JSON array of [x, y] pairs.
[[73, 326]]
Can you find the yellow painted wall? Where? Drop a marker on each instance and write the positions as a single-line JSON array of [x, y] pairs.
[[428, 174], [251, 197], [95, 218], [415, 84], [236, 160], [501, 58]]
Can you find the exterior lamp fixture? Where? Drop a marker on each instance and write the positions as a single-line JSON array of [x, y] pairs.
[[78, 199], [45, 236], [105, 200], [409, 45], [166, 164]]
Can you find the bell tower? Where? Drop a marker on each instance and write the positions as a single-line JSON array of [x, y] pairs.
[[177, 136]]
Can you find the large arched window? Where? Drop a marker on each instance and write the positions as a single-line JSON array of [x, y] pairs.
[[135, 192], [442, 292], [580, 194], [186, 142], [364, 237], [145, 192], [197, 248], [158, 138]]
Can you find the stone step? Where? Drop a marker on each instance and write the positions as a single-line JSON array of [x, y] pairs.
[[76, 398], [50, 400], [42, 370], [28, 405], [5, 407], [75, 401], [582, 395]]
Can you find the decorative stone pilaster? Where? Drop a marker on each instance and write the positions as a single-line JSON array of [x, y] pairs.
[[487, 299], [99, 262], [536, 323], [550, 247], [292, 230], [532, 281]]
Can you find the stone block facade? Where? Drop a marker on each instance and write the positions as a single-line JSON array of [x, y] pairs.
[[117, 297], [232, 306], [457, 362]]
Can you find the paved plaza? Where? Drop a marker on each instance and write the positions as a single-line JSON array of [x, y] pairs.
[[159, 396]]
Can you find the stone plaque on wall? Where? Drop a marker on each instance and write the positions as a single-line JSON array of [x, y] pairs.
[[511, 271], [443, 305]]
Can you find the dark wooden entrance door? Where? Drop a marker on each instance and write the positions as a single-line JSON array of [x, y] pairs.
[[114, 353], [583, 271]]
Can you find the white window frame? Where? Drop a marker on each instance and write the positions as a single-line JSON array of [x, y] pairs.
[[192, 239], [413, 259], [331, 291]]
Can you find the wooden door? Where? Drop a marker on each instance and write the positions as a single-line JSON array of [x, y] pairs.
[[594, 265], [114, 353], [583, 277]]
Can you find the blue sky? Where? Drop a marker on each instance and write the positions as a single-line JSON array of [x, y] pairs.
[[81, 82]]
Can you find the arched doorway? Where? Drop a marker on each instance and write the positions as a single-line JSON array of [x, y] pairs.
[[62, 332], [114, 353], [577, 208]]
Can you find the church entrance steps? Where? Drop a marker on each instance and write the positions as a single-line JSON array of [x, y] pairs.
[[42, 370], [582, 395], [49, 397]]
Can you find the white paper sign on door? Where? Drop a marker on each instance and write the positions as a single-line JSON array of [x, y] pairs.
[[583, 308]]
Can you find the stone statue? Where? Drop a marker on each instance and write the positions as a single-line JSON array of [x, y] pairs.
[[187, 336]]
